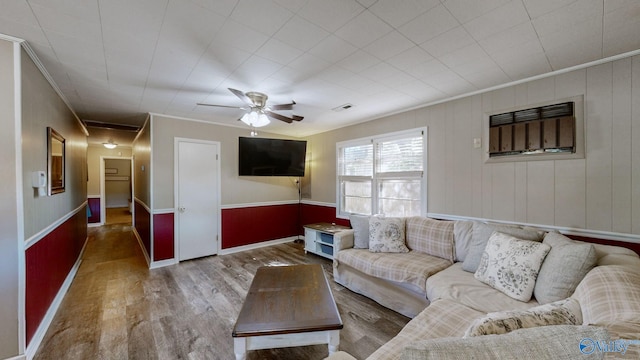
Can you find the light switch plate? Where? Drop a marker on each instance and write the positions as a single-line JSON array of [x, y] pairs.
[[477, 143]]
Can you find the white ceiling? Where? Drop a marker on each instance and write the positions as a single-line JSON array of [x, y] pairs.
[[115, 60]]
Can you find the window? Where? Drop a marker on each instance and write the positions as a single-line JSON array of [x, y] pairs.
[[382, 175]]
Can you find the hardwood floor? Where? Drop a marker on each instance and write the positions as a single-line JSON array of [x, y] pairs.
[[118, 216], [116, 308]]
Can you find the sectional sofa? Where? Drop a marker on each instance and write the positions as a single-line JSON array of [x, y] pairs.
[[491, 290]]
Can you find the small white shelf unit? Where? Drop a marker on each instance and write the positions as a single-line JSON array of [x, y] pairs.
[[318, 238]]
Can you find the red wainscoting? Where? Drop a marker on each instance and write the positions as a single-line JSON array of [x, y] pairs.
[[317, 213], [163, 243], [250, 225], [143, 227], [94, 206], [48, 263]]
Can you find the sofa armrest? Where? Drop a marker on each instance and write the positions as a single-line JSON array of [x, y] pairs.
[[546, 342], [343, 240]]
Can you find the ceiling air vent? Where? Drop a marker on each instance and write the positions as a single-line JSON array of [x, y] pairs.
[[111, 126], [346, 106]]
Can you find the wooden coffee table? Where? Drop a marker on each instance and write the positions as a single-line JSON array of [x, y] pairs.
[[287, 306]]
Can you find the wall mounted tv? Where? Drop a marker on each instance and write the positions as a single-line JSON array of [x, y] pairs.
[[271, 157]]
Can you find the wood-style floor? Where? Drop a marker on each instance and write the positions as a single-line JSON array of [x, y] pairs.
[[116, 308], [119, 215]]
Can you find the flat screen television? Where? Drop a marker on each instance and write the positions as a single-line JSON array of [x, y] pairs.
[[271, 157]]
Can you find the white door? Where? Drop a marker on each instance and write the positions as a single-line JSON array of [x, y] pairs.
[[196, 198]]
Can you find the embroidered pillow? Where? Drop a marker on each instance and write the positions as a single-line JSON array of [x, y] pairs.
[[387, 235], [481, 233], [360, 226], [564, 267], [511, 265], [563, 312]]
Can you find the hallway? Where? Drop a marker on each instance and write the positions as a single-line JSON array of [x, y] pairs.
[[116, 308]]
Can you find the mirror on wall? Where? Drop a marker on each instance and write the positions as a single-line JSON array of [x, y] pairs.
[[55, 161]]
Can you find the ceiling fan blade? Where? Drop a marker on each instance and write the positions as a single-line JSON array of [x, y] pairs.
[[224, 106], [241, 96], [297, 117], [279, 117], [283, 106]]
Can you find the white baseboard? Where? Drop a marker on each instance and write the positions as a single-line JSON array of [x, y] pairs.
[[19, 357], [144, 250], [37, 338], [163, 263], [94, 224], [256, 245]]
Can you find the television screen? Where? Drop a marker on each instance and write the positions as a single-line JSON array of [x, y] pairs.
[[271, 157]]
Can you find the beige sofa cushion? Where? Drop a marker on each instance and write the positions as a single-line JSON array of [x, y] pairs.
[[559, 342], [443, 318], [413, 267], [563, 312], [481, 234], [610, 294], [454, 283], [433, 237], [564, 267]]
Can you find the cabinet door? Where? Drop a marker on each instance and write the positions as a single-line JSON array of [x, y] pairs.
[[506, 143], [566, 132], [519, 137], [494, 140], [550, 139], [533, 137], [310, 240]]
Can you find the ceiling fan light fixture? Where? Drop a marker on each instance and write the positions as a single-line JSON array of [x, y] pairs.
[[255, 118], [110, 144]]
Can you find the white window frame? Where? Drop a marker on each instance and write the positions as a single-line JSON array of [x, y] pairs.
[[377, 176]]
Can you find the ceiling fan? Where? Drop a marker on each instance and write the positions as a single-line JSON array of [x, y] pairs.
[[258, 112]]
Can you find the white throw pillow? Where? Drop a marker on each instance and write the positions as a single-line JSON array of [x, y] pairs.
[[511, 265], [563, 312], [387, 235], [360, 226]]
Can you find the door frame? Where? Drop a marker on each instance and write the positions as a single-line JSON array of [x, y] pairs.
[[103, 195], [176, 197]]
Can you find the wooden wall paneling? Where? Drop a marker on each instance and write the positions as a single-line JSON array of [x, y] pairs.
[[486, 189], [462, 157], [635, 144], [534, 129], [454, 146], [506, 136], [621, 146], [437, 161], [540, 192], [598, 152], [550, 131], [520, 191], [477, 126], [570, 84], [570, 193], [503, 190], [541, 90]]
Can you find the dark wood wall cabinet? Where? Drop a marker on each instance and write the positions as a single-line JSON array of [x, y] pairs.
[[545, 129]]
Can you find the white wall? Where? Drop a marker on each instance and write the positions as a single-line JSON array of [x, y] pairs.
[[600, 192], [42, 107], [9, 269], [94, 152], [235, 189], [117, 189]]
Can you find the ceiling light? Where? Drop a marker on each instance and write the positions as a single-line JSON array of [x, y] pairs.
[[110, 144], [255, 118]]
